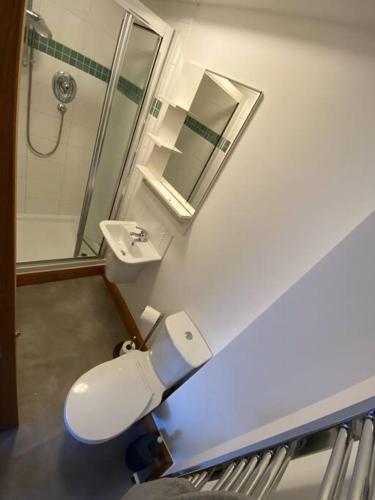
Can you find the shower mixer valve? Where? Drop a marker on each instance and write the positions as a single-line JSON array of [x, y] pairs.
[[64, 87]]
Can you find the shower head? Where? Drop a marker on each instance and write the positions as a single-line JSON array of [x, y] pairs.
[[37, 23]]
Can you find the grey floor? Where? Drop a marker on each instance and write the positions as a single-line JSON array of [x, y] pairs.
[[67, 328]]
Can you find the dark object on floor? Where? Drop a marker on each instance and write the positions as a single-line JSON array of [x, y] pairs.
[[176, 489], [117, 349], [144, 451]]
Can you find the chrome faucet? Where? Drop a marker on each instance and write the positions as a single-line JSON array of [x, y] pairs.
[[141, 236]]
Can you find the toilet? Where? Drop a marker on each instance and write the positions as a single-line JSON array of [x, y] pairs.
[[109, 398]]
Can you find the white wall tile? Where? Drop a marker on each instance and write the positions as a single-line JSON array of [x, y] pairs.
[[21, 164], [43, 99], [81, 136], [36, 5], [44, 169], [72, 191], [46, 66], [75, 176], [21, 132], [41, 206], [21, 193], [81, 8], [47, 126], [23, 86], [107, 16], [86, 113], [71, 207], [99, 46], [66, 27], [48, 189], [72, 195], [90, 89], [78, 157], [44, 145]]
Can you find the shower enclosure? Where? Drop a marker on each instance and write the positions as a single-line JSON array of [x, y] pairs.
[[86, 93]]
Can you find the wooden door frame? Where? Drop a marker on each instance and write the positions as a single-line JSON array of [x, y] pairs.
[[11, 33]]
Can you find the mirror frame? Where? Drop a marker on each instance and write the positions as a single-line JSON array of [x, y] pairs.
[[205, 184]]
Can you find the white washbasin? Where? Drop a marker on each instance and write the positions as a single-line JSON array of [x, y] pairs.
[[127, 257], [122, 244]]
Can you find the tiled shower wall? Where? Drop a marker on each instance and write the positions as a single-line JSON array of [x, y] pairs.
[[56, 185]]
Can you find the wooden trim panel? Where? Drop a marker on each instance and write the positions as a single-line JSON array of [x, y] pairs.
[[166, 461], [11, 29], [124, 311], [34, 278]]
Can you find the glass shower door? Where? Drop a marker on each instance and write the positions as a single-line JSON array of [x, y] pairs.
[[136, 68]]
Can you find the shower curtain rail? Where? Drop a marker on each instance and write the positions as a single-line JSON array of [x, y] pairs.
[[260, 473]]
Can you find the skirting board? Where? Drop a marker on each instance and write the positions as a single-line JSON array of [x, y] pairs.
[[37, 277], [124, 312]]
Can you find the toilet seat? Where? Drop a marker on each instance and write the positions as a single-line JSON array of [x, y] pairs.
[[110, 397]]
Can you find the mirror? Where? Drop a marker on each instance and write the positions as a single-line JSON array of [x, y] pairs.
[[201, 125]]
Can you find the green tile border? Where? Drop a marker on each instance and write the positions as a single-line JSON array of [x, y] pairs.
[[126, 87], [83, 63], [156, 108], [206, 133], [199, 128]]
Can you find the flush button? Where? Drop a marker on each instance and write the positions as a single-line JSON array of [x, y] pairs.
[[188, 336]]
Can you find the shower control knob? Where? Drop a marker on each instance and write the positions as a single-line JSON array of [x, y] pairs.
[[64, 87]]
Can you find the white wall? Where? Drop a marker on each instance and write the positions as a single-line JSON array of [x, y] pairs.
[[309, 355], [56, 185], [300, 179]]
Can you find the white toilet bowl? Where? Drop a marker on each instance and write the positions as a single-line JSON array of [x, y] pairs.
[[109, 398]]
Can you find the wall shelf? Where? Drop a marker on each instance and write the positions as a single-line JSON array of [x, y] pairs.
[[172, 203], [162, 143], [175, 104], [226, 86], [179, 104]]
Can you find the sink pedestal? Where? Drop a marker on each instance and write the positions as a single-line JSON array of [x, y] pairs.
[[117, 272]]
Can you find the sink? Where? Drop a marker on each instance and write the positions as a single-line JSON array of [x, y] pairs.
[[126, 258]]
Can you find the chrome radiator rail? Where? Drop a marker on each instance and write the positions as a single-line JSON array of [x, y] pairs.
[[259, 474]]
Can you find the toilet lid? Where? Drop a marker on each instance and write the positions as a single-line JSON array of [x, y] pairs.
[[106, 400]]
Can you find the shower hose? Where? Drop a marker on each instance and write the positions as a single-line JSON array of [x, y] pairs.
[[61, 108]]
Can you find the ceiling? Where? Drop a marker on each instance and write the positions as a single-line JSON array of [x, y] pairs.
[[359, 12]]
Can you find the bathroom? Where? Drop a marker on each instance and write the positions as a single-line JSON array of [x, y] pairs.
[[267, 251]]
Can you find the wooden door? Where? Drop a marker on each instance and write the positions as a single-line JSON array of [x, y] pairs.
[[11, 32]]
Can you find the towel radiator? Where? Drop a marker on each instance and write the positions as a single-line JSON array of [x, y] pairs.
[[259, 474]]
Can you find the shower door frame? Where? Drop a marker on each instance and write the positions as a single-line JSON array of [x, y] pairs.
[[136, 14], [142, 16]]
